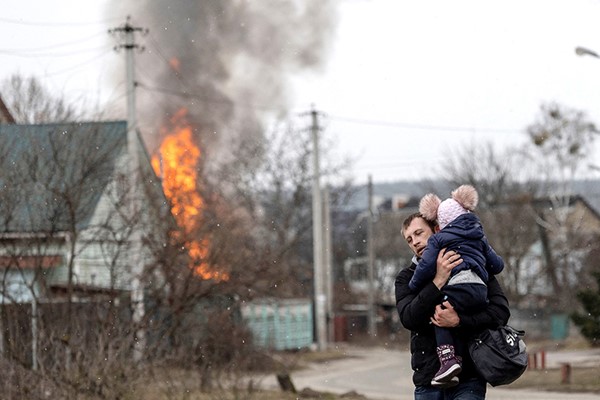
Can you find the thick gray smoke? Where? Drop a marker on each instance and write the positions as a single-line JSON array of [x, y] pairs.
[[227, 61]]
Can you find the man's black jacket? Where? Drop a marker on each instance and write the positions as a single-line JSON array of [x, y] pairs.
[[416, 309]]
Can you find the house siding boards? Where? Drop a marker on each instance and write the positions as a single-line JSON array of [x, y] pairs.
[[95, 268], [98, 263]]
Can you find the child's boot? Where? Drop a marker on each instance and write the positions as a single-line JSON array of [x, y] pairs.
[[450, 365], [445, 385]]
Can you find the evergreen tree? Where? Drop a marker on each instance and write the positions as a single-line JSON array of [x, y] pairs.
[[589, 321]]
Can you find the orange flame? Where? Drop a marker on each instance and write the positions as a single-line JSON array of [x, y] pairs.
[[176, 162]]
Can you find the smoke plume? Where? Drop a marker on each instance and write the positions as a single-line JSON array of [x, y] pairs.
[[227, 61]]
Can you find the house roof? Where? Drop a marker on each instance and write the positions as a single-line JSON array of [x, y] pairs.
[[53, 175], [568, 201]]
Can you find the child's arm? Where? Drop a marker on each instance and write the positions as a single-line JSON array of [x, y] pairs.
[[426, 268], [495, 263]]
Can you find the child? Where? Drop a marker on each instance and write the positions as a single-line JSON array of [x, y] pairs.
[[459, 230]]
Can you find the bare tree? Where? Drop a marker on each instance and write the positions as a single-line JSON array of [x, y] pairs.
[[527, 197], [497, 175], [246, 234], [561, 140], [30, 102], [270, 182], [563, 137]]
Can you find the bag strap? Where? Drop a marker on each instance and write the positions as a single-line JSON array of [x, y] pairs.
[[518, 332]]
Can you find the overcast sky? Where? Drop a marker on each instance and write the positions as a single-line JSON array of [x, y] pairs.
[[406, 82]]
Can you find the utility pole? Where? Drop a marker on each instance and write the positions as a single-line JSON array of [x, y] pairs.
[[371, 258], [133, 151], [328, 263], [317, 202]]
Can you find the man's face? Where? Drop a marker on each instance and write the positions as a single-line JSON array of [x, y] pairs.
[[416, 235]]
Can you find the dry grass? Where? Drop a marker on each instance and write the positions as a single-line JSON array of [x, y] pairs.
[[322, 356], [151, 393], [582, 380], [271, 395], [183, 384], [232, 395], [169, 384], [576, 343]]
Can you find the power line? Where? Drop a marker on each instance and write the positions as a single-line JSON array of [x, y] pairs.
[[56, 24], [205, 98], [404, 125], [77, 66], [37, 55], [420, 126], [400, 164], [186, 95], [161, 54], [95, 35]]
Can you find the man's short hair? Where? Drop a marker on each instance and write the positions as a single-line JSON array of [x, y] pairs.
[[412, 217]]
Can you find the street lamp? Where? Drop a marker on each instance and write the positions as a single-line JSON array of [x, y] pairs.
[[582, 51]]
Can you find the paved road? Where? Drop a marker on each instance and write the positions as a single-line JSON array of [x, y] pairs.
[[382, 374]]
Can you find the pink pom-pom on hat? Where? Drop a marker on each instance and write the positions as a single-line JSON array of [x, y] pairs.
[[428, 206], [466, 196]]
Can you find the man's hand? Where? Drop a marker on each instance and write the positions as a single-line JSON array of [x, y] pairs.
[[445, 262], [445, 316]]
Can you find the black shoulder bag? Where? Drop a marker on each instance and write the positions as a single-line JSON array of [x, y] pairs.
[[500, 355]]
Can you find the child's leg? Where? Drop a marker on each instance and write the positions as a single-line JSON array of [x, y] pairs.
[[459, 349], [450, 366], [464, 298], [467, 297], [443, 336]]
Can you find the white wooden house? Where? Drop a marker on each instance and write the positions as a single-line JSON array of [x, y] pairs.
[[68, 219]]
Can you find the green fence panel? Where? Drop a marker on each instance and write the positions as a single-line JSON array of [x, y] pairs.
[[284, 324], [560, 326]]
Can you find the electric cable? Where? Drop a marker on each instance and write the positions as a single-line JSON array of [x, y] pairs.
[[57, 24]]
